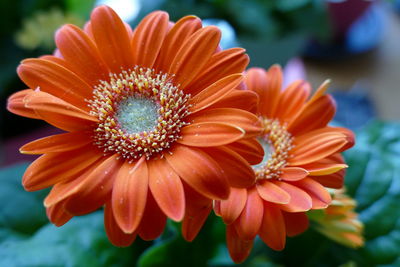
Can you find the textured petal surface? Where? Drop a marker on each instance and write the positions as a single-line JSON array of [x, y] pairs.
[[293, 173], [129, 195], [249, 222], [52, 168], [314, 116], [16, 105], [231, 208], [272, 193], [57, 215], [236, 168], [55, 79], [194, 54], [319, 195], [220, 65], [112, 39], [198, 208], [250, 149], [292, 100], [148, 38], [58, 112], [241, 99], [167, 189], [209, 134], [240, 118], [57, 143], [153, 221], [215, 92], [81, 53], [296, 223], [273, 230], [206, 177], [178, 34], [299, 200], [96, 188], [117, 237], [239, 249]]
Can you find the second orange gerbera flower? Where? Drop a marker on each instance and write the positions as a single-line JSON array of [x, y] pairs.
[[301, 159], [154, 119]]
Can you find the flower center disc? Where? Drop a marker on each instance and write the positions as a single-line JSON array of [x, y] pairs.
[[140, 113], [136, 115], [277, 143]]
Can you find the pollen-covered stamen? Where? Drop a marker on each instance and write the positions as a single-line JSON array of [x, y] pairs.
[[277, 142], [140, 113]]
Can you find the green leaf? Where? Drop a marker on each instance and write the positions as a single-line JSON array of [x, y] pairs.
[[20, 211], [81, 242], [173, 250]]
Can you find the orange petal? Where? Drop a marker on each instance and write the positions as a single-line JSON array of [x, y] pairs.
[[256, 80], [318, 168], [153, 221], [273, 230], [220, 65], [194, 54], [173, 41], [272, 193], [319, 92], [317, 148], [209, 134], [57, 215], [292, 100], [237, 169], [65, 189], [334, 180], [148, 38], [241, 99], [116, 236], [167, 189], [314, 116], [249, 149], [58, 112], [240, 118], [293, 173], [239, 249], [249, 222], [55, 79], [296, 223], [232, 207], [129, 195], [57, 143], [199, 170], [273, 90], [53, 168], [16, 105], [112, 39], [215, 92], [319, 195], [96, 189], [299, 200], [81, 53], [198, 208], [267, 85]]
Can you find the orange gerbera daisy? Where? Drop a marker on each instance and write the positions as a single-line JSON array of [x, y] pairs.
[[154, 119], [301, 159]]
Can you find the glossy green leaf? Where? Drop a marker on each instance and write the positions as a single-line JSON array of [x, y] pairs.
[[20, 211], [81, 242]]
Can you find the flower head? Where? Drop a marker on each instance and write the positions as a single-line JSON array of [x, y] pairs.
[[339, 221], [154, 119], [301, 159]]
